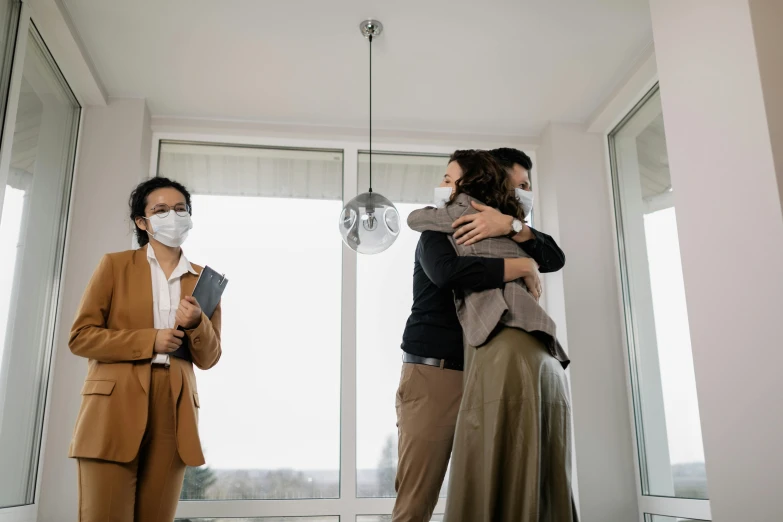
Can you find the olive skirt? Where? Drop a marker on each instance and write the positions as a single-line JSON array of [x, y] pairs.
[[512, 453]]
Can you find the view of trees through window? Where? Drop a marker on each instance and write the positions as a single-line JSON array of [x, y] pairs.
[[660, 518], [270, 409], [387, 518], [384, 296], [262, 519], [206, 483], [288, 377]]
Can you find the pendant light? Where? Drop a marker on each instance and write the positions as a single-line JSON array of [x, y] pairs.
[[370, 223]]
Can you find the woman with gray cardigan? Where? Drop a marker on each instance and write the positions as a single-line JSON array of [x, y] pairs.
[[511, 460]]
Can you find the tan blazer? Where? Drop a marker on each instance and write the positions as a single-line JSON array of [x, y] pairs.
[[480, 313], [114, 330]]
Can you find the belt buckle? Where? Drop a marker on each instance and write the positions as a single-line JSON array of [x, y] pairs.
[[161, 359]]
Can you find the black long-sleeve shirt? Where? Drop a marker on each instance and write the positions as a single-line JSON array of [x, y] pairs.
[[433, 329]]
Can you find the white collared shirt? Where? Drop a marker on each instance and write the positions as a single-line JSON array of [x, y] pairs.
[[166, 293]]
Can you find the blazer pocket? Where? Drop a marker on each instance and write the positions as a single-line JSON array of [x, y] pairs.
[[195, 400], [98, 387]]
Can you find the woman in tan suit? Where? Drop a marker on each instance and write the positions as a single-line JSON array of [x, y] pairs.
[[137, 427]]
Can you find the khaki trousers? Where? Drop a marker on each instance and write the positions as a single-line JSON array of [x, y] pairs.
[[428, 402], [146, 489]]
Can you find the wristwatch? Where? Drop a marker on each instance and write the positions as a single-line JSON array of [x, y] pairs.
[[516, 227]]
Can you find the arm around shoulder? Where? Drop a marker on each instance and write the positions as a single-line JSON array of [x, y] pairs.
[[438, 219]]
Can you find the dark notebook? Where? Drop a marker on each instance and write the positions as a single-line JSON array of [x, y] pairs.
[[209, 288]]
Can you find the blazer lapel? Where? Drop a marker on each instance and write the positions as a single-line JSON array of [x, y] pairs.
[[186, 285], [141, 297], [141, 304]]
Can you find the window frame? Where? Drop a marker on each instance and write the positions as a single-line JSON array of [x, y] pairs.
[[362, 186], [648, 504], [26, 30], [349, 505]]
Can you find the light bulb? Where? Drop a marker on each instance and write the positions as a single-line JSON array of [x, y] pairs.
[[380, 223], [369, 222]]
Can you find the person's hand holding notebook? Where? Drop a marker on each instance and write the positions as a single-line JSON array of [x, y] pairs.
[[206, 296]]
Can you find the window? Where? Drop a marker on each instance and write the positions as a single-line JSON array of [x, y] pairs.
[[277, 420], [668, 430], [270, 415], [262, 519], [35, 181], [660, 518], [387, 518], [384, 298]]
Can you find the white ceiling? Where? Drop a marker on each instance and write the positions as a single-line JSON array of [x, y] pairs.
[[502, 67]]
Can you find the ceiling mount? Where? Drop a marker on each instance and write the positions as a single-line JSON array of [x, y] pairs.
[[370, 28]]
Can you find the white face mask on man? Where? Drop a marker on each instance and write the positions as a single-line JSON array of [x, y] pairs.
[[171, 230], [441, 196], [525, 198]]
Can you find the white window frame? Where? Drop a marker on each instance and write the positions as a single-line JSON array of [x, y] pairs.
[[646, 382], [348, 506], [27, 18], [630, 94]]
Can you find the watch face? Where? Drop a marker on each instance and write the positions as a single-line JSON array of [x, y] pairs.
[[517, 225]]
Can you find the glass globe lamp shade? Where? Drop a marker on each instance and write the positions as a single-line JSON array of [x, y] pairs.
[[369, 223]]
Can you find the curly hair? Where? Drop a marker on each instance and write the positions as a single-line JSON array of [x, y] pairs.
[[485, 180], [138, 201]]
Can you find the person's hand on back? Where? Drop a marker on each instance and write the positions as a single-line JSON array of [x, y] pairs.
[[489, 222]]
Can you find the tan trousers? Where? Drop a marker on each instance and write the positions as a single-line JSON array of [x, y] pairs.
[[428, 401], [146, 489]]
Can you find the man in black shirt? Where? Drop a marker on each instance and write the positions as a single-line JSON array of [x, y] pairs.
[[430, 388]]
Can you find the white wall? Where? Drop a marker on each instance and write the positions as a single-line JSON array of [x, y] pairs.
[[575, 201], [731, 236], [114, 157]]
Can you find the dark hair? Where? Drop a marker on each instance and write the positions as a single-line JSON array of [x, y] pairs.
[[485, 180], [138, 201], [508, 157]]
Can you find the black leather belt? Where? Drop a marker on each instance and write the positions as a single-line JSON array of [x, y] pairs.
[[446, 364]]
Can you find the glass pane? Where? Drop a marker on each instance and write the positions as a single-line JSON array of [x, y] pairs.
[[408, 181], [32, 231], [661, 518], [387, 518], [666, 407], [270, 410]]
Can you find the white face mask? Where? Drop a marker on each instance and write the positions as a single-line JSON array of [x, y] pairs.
[[171, 230], [441, 196], [525, 198]]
